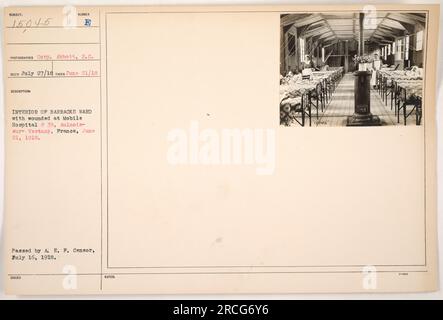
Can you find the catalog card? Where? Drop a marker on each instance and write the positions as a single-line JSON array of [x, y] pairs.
[[243, 149]]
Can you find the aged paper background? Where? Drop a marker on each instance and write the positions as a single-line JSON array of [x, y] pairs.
[[346, 166]]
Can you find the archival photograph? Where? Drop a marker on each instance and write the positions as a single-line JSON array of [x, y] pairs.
[[352, 68]]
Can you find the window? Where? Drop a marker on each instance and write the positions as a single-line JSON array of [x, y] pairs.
[[323, 54], [400, 49], [389, 49], [302, 49], [291, 44], [386, 52], [419, 43], [393, 47], [407, 48], [383, 51]]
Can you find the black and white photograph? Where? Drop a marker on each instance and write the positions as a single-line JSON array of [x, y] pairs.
[[352, 68], [144, 156]]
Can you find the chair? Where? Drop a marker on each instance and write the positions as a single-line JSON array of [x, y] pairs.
[[404, 101], [289, 109], [317, 94], [306, 73], [388, 90]]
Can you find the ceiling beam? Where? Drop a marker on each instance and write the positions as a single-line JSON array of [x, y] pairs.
[[291, 18], [409, 28], [329, 39], [327, 23], [387, 28], [415, 17], [326, 34], [300, 22], [404, 19], [378, 26], [330, 44], [315, 31], [383, 33]]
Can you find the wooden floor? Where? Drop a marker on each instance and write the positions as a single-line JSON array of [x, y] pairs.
[[342, 105]]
